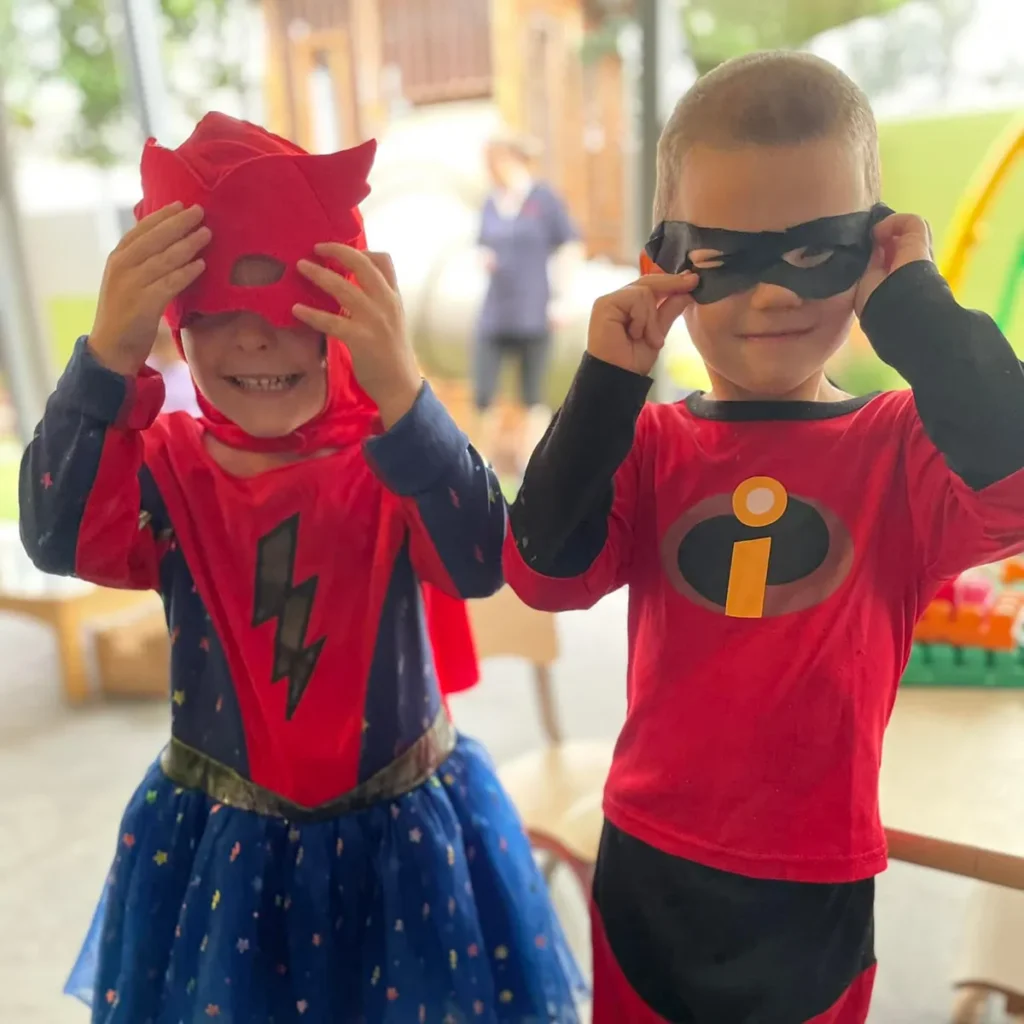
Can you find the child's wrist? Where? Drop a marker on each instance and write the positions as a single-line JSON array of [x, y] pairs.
[[115, 358], [398, 398]]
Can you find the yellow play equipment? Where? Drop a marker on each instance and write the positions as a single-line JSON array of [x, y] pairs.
[[968, 220]]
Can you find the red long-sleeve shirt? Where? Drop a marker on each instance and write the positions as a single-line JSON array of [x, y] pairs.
[[777, 556]]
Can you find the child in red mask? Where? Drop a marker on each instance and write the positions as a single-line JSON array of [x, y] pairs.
[[315, 842]]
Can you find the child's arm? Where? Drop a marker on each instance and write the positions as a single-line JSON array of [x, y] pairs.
[[82, 480], [572, 523], [81, 485], [452, 500], [965, 452], [571, 526]]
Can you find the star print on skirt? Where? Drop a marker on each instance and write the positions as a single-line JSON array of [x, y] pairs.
[[428, 908]]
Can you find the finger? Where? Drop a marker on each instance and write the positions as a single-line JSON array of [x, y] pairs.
[[879, 260], [383, 262], [670, 311], [359, 264], [668, 284], [902, 238], [148, 222], [899, 224], [177, 255], [177, 281], [642, 311], [332, 283], [162, 235], [332, 324]]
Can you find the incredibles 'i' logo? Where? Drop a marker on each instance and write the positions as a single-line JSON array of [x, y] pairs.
[[757, 552]]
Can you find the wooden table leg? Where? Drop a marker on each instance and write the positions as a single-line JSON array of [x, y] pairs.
[[68, 624], [546, 700], [66, 614]]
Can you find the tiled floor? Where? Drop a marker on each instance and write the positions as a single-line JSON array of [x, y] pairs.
[[66, 776]]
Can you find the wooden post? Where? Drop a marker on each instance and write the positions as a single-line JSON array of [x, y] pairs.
[[279, 88], [507, 16], [567, 78], [22, 345], [368, 59]]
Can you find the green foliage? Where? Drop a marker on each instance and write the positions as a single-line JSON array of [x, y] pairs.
[[717, 30], [601, 40], [90, 58]]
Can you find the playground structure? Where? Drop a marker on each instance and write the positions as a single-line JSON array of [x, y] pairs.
[[968, 224], [972, 633]]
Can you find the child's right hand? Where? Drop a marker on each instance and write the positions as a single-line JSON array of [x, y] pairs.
[[628, 327], [153, 263]]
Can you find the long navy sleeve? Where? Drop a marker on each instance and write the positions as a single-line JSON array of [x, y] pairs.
[[455, 510], [86, 500]]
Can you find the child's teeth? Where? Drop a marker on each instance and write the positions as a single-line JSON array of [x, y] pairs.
[[263, 383]]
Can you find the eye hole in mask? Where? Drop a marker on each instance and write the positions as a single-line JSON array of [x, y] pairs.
[[256, 271], [705, 259], [815, 260], [808, 257]]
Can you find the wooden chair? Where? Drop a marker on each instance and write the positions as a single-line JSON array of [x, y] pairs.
[[557, 788], [991, 967]]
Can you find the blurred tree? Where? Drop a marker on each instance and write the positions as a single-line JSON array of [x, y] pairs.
[[717, 30], [79, 43], [918, 42]]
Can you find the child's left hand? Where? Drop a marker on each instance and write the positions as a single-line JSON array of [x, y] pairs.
[[370, 323], [900, 239]]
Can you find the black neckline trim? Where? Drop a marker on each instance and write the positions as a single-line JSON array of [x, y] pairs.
[[745, 412]]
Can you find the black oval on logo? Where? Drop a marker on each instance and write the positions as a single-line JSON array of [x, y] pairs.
[[800, 542]]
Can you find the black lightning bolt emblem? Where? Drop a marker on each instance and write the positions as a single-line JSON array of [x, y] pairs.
[[279, 597]]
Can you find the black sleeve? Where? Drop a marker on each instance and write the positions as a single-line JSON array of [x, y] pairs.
[[559, 518], [967, 381]]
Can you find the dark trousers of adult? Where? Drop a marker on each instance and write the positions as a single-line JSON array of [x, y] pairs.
[[529, 349]]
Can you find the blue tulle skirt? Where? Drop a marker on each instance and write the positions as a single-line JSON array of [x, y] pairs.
[[427, 908]]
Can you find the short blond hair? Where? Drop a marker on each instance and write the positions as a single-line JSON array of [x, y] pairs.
[[771, 98]]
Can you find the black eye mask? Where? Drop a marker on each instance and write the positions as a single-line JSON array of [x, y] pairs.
[[815, 260]]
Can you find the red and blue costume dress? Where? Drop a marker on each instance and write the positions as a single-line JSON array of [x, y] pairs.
[[315, 844], [777, 556]]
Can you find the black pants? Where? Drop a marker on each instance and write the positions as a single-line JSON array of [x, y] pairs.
[[532, 352], [701, 946]]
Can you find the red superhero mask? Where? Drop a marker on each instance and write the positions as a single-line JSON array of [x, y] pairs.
[[262, 196], [265, 197]]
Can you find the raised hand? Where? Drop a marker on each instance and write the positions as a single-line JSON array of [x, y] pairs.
[[154, 262], [900, 239], [370, 322], [628, 327]]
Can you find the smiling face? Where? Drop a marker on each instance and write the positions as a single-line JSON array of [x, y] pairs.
[[768, 342], [269, 380]]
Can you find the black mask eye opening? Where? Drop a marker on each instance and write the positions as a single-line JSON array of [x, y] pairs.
[[706, 259], [807, 257]]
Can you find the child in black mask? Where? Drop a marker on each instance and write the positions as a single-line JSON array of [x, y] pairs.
[[778, 537]]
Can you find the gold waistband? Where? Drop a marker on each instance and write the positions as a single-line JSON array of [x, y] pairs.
[[192, 769]]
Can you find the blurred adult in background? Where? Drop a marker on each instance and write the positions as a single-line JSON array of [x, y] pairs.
[[523, 225], [166, 360]]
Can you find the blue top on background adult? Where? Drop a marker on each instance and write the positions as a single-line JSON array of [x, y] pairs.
[[523, 223]]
